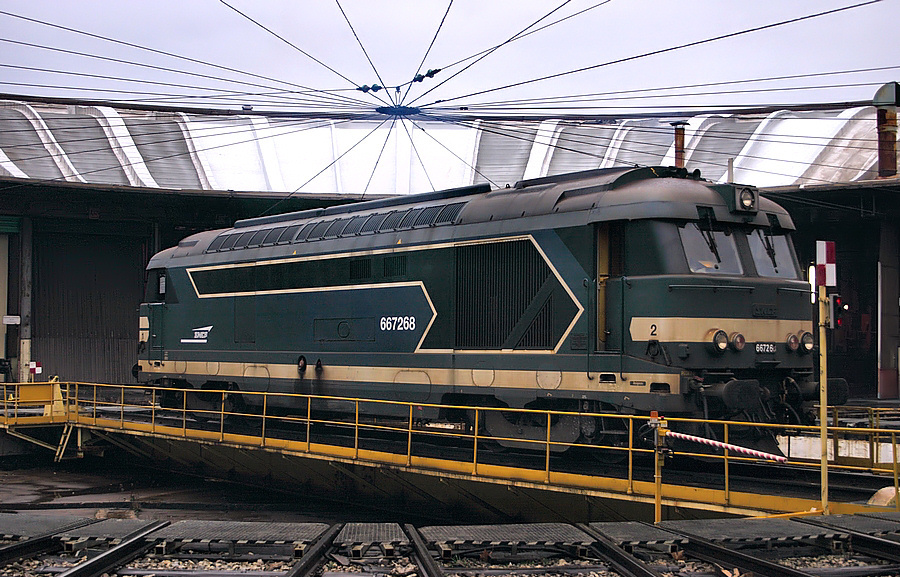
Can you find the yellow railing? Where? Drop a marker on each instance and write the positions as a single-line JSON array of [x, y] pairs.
[[344, 428]]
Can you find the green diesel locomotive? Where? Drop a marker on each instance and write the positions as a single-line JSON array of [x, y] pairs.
[[623, 290]]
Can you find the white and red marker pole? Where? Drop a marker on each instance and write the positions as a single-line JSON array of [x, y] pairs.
[[826, 276]]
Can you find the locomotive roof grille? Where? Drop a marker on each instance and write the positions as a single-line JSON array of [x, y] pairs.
[[441, 214], [643, 194]]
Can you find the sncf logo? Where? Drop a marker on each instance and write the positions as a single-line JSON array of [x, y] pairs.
[[201, 334]]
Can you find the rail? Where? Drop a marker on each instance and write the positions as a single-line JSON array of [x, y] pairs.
[[341, 428]]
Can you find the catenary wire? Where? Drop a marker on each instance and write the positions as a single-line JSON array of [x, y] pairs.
[[294, 46], [162, 68], [330, 164], [160, 52], [487, 53], [442, 145], [568, 98], [660, 51], [427, 52], [292, 95], [130, 164], [363, 48], [412, 143], [378, 158]]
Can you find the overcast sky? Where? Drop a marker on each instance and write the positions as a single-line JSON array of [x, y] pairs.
[[397, 33]]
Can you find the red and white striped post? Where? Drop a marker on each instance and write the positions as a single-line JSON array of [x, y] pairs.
[[826, 276]]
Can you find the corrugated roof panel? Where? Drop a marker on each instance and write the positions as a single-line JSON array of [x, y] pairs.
[[723, 139], [645, 145], [503, 152], [161, 143], [87, 147], [23, 146], [580, 148]]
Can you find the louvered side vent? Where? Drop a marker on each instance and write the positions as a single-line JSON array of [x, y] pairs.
[[540, 334], [336, 228], [395, 266], [243, 240], [393, 219], [361, 269], [373, 222], [304, 232], [216, 243], [496, 283], [427, 216], [258, 238], [318, 230], [354, 225], [409, 219], [229, 241], [288, 234], [273, 235], [449, 213]]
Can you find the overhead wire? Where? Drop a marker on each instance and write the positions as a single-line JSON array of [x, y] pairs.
[[529, 33], [332, 163], [427, 52], [571, 97], [156, 159], [445, 147], [487, 53], [161, 52], [295, 47], [415, 149], [363, 48], [527, 137], [378, 158], [660, 51], [284, 94], [161, 68]]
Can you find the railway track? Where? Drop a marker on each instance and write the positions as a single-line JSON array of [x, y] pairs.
[[839, 546]]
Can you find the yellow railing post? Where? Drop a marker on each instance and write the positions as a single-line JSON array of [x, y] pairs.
[[94, 411], [222, 418], [264, 412], [356, 433], [153, 410], [659, 433], [630, 488], [308, 423], [896, 474], [727, 479], [475, 446], [184, 413], [547, 456], [409, 438], [122, 408]]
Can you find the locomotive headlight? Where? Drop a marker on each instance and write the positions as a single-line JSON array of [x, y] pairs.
[[747, 199], [806, 342], [719, 340], [792, 343], [737, 342]]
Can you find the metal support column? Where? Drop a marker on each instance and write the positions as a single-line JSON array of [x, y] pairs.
[[26, 236]]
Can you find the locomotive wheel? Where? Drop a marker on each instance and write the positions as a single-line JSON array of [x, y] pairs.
[[208, 406], [506, 426]]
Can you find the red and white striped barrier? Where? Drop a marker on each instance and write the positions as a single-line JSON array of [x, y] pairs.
[[730, 447]]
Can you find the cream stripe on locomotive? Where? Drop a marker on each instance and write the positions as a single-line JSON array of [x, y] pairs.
[[507, 379], [694, 330], [528, 237]]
